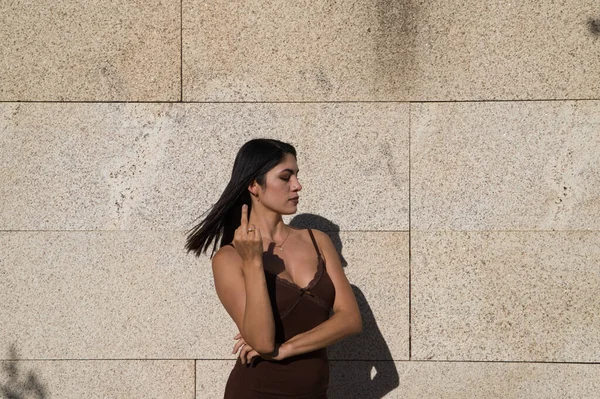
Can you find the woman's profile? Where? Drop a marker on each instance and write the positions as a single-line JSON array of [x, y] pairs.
[[278, 283]]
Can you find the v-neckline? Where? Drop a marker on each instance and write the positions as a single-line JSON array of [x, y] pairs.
[[312, 282]]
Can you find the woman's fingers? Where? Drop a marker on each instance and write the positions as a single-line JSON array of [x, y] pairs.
[[248, 244], [244, 221], [251, 355], [257, 235], [243, 353], [247, 354], [237, 345]]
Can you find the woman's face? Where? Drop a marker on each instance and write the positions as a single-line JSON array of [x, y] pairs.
[[282, 186]]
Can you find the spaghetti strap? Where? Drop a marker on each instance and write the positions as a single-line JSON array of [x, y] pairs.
[[312, 237]]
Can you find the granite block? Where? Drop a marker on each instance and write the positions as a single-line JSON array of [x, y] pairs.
[[105, 295], [378, 271], [498, 50], [140, 295], [211, 377], [505, 296], [297, 51], [432, 380], [505, 166], [160, 166], [95, 379], [389, 50], [66, 50]]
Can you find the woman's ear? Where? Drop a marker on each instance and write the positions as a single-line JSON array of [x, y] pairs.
[[253, 188]]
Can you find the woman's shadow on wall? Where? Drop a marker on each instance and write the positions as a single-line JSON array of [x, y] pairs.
[[367, 370]]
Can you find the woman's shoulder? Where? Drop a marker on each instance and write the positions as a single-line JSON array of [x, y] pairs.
[[322, 239], [226, 254], [319, 235]]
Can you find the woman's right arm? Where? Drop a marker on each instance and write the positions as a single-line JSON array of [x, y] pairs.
[[242, 288]]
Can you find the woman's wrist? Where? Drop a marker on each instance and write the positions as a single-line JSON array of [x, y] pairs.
[[252, 265], [285, 351]]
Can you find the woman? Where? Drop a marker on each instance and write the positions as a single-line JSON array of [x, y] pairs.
[[278, 283]]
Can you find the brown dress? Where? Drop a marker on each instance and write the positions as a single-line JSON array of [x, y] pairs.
[[295, 310]]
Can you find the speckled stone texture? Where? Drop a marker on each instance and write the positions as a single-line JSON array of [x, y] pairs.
[[90, 379], [505, 166], [297, 51], [139, 295], [433, 380], [106, 295], [160, 166], [506, 296], [505, 50], [389, 50], [378, 271], [67, 50]]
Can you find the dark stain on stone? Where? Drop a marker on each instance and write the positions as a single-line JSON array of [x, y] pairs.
[[19, 383], [594, 26], [395, 48], [386, 151], [16, 111], [324, 81], [15, 116]]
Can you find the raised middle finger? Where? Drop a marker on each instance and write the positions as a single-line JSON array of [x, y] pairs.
[[244, 220]]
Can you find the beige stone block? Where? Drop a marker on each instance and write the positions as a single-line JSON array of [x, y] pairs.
[[389, 50], [119, 294], [448, 380], [505, 166], [464, 380], [378, 271], [505, 296], [66, 379], [353, 158], [84, 166], [297, 51], [211, 377], [107, 295], [496, 50], [66, 50], [160, 166]]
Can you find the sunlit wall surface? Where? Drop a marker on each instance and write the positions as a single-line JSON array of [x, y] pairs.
[[450, 149]]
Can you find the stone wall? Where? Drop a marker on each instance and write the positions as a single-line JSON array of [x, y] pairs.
[[450, 149]]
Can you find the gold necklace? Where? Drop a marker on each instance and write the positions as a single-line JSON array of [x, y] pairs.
[[281, 245]]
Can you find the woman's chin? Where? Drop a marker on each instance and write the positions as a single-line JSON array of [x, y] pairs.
[[291, 209]]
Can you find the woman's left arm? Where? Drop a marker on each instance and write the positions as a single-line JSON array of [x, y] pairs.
[[346, 319]]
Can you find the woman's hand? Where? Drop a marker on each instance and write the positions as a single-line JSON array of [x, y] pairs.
[[248, 353], [248, 243]]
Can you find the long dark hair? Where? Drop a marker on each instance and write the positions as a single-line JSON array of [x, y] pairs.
[[254, 159]]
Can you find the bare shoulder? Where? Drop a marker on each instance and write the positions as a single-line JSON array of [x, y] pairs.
[[325, 244], [321, 237], [226, 257]]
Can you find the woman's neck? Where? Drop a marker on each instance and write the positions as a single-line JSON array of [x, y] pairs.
[[271, 224]]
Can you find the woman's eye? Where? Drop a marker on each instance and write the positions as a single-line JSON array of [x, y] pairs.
[[285, 178]]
